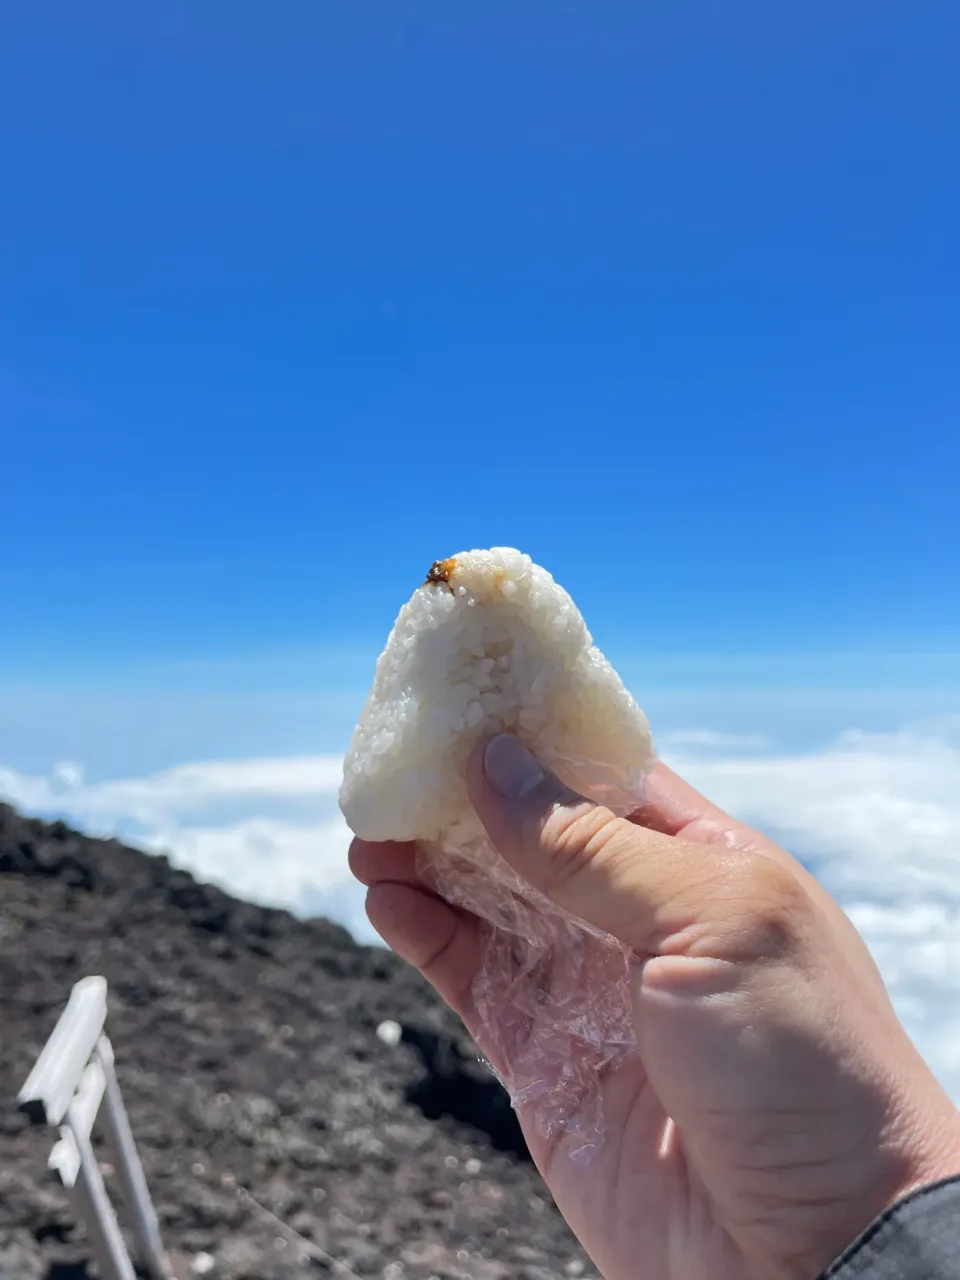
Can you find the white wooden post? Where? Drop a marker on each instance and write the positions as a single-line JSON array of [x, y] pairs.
[[74, 1081], [89, 1196], [53, 1081], [133, 1184]]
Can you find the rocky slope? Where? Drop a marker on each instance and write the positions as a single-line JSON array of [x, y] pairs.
[[280, 1136]]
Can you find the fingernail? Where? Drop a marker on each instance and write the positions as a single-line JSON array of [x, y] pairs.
[[510, 767]]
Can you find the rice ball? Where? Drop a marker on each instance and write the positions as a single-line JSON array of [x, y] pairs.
[[488, 643]]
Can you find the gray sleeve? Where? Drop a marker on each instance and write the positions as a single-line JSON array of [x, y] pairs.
[[918, 1238]]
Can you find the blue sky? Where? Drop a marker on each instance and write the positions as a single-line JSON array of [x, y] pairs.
[[298, 297]]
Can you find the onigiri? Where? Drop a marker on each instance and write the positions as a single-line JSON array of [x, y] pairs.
[[489, 642]]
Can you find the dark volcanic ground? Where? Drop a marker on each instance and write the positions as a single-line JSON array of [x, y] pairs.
[[278, 1133]]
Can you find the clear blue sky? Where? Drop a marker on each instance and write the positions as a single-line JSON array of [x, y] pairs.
[[297, 297]]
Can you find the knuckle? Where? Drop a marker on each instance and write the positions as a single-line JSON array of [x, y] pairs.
[[768, 910], [576, 835]]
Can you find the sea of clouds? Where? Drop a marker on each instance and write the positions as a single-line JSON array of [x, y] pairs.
[[875, 815]]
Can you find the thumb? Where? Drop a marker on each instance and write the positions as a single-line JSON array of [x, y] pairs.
[[651, 891]]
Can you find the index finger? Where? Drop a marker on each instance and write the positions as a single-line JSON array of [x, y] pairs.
[[675, 808]]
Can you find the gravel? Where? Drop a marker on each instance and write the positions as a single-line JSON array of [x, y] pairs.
[[280, 1135]]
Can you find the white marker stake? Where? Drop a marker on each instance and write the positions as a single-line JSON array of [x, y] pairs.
[[65, 1156], [93, 1207], [53, 1081], [117, 1131], [74, 1081]]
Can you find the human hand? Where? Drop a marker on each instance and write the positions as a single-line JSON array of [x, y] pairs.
[[775, 1105]]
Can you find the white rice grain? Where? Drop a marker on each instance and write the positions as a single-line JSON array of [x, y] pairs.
[[498, 646]]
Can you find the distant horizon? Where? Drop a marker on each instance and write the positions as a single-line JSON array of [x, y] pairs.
[[875, 814]]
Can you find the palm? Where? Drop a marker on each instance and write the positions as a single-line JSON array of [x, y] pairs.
[[639, 1205]]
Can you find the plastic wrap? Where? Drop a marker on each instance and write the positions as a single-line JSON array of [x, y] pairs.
[[552, 994]]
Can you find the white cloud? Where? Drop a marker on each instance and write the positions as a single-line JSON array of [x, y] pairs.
[[69, 773], [268, 830], [876, 816], [184, 789], [300, 866]]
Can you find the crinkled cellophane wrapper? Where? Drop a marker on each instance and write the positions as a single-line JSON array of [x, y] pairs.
[[552, 994]]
